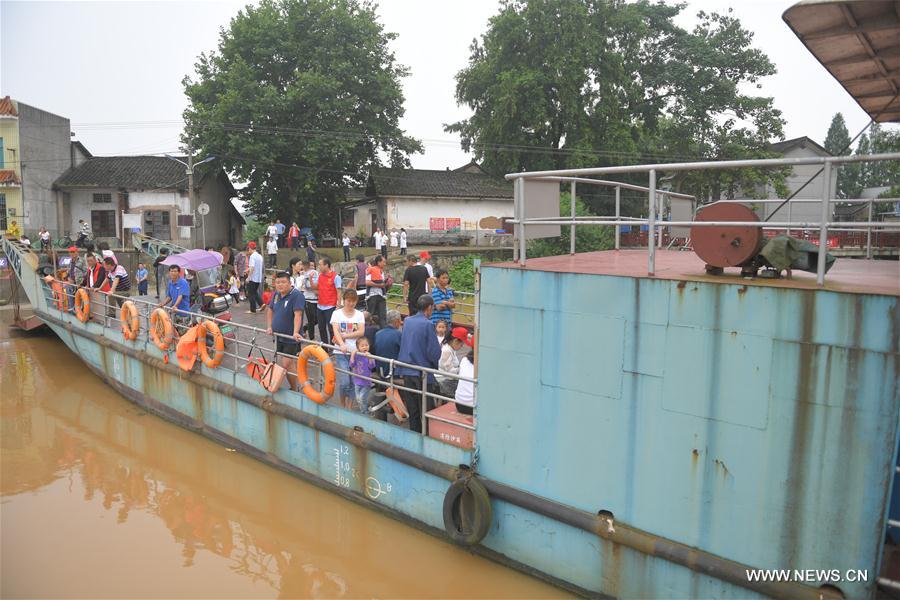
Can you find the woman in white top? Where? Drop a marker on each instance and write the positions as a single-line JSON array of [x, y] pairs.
[[297, 271], [394, 238], [348, 325], [465, 391], [450, 361]]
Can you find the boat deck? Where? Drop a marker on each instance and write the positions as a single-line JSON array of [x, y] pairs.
[[847, 275]]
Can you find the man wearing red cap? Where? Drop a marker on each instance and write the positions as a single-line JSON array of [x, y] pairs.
[[77, 269], [424, 257]]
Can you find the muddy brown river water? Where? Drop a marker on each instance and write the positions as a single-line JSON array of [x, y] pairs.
[[99, 499]]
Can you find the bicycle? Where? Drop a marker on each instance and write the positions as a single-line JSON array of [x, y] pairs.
[[67, 241]]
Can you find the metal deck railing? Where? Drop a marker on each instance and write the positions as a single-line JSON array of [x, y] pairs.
[[654, 196], [246, 336]]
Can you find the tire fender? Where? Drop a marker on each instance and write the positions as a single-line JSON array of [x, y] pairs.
[[467, 511]]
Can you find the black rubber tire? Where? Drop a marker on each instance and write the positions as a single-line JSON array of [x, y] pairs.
[[467, 511]]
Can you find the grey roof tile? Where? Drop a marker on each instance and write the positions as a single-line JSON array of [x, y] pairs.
[[131, 172], [422, 182]]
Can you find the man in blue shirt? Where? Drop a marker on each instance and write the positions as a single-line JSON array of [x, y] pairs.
[[178, 294], [284, 316], [419, 346], [279, 228], [387, 341]]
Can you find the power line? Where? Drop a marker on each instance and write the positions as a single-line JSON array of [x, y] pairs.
[[350, 135]]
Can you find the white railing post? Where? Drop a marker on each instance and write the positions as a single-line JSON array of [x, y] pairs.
[[618, 208], [572, 229], [790, 210], [869, 232], [520, 200], [661, 214], [651, 225], [823, 225]]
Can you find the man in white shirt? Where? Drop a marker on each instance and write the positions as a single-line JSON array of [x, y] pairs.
[[254, 277], [310, 287], [402, 242], [384, 244], [272, 250], [272, 231], [377, 238], [345, 242]]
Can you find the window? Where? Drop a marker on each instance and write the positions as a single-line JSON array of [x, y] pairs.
[[348, 217], [103, 223], [101, 198], [2, 212]]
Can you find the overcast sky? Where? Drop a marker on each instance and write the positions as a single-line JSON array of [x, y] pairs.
[[115, 68]]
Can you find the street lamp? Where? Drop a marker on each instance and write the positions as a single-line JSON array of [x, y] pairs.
[[190, 165]]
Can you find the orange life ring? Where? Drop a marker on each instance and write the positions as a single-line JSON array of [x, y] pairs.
[[210, 328], [162, 333], [131, 324], [60, 298], [186, 350], [320, 355], [82, 305]]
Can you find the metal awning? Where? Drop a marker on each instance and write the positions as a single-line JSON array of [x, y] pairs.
[[858, 41]]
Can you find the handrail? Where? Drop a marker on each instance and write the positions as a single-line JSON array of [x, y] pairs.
[[151, 245], [617, 184], [655, 225], [705, 165], [391, 364]]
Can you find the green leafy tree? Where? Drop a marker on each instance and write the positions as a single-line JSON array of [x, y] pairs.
[[837, 142], [254, 230], [886, 172], [588, 238], [872, 174], [300, 99], [574, 83]]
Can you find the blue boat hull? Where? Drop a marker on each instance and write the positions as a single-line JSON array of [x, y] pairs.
[[642, 446]]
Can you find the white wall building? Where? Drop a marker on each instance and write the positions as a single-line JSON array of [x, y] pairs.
[[801, 212], [153, 189], [451, 207]]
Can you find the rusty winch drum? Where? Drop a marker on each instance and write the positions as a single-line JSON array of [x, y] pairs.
[[726, 245]]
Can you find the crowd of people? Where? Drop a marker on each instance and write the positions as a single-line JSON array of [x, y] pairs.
[[311, 301]]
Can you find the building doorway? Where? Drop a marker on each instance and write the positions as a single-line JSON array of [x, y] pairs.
[[156, 224]]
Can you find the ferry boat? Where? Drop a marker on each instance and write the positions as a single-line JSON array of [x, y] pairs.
[[646, 425]]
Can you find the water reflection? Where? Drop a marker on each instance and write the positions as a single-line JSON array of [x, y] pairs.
[[62, 429]]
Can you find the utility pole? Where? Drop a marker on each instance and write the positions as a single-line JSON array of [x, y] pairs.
[[189, 165], [190, 175]]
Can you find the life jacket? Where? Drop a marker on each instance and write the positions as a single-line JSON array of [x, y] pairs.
[[327, 291]]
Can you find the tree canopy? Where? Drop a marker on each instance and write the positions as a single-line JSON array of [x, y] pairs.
[[853, 178], [300, 99], [575, 83], [837, 141]]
